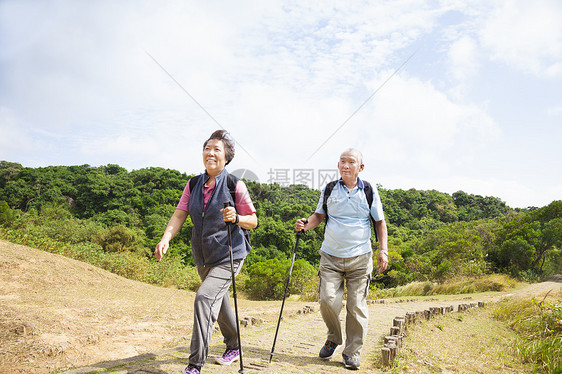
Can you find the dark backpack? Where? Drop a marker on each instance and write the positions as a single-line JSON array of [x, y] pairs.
[[231, 182], [368, 190]]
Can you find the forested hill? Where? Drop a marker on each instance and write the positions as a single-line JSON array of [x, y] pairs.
[[91, 191], [433, 235]]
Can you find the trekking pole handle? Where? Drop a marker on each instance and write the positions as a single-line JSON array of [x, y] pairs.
[[226, 204], [299, 233]]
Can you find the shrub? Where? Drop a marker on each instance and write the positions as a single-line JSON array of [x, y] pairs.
[[172, 272], [120, 239], [7, 215], [375, 292], [310, 290], [267, 279], [261, 254]]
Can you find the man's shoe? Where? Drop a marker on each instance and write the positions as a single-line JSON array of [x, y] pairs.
[[229, 356], [192, 370], [350, 362], [328, 350]]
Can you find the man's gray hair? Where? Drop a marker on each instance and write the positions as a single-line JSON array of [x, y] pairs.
[[356, 152]]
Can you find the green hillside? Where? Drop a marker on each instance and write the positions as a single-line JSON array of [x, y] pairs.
[[113, 218]]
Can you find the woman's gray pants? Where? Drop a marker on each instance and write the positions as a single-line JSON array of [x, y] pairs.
[[212, 303]]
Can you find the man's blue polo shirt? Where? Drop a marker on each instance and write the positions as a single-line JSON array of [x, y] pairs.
[[348, 232]]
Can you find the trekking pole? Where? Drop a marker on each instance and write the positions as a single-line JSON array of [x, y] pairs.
[[241, 371], [286, 289]]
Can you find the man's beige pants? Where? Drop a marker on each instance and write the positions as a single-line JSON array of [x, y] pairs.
[[355, 273]]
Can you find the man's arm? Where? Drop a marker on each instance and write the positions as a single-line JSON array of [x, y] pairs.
[[313, 221], [382, 234]]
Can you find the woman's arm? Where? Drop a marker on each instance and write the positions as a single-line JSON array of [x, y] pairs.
[[173, 227], [248, 222]]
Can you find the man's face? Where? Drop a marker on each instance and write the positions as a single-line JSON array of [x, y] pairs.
[[350, 166]]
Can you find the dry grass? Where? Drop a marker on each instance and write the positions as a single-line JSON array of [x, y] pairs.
[[493, 282], [538, 322], [57, 313], [471, 342], [487, 283]]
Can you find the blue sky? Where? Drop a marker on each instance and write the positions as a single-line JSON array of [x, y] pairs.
[[477, 107]]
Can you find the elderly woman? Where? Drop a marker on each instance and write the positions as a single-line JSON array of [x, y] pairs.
[[203, 199]]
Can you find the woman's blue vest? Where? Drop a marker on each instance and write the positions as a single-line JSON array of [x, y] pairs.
[[209, 240]]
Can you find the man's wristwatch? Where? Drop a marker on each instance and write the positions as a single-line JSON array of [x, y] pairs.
[[385, 251], [237, 219]]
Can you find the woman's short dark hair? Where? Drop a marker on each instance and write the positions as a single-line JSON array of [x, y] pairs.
[[227, 141]]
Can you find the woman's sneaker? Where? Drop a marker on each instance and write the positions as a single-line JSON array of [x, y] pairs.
[[192, 370], [229, 356], [328, 350]]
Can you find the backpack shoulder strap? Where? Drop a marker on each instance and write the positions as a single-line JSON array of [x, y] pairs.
[[368, 193], [368, 189], [231, 182], [327, 191], [193, 181]]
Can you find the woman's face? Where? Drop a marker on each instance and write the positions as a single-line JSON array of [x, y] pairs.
[[214, 157]]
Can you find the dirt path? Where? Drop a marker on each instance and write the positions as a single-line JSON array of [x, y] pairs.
[[58, 314]]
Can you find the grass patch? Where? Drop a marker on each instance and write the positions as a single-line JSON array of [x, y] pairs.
[[493, 282], [471, 342], [413, 289], [170, 272], [487, 283], [538, 324]]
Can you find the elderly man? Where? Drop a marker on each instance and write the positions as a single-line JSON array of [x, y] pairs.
[[346, 254]]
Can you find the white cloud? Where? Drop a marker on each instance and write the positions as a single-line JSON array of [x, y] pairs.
[[555, 111], [464, 63], [526, 35], [281, 76], [14, 140], [414, 121]]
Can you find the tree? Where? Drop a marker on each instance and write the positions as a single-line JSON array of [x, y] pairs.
[[525, 242]]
